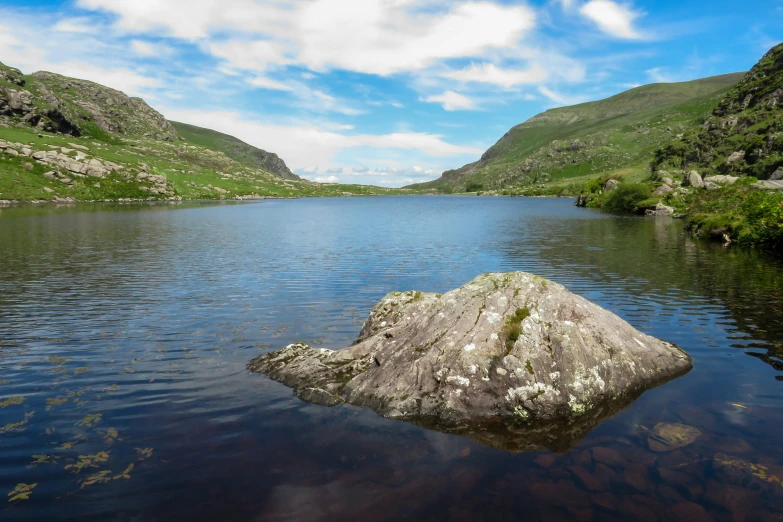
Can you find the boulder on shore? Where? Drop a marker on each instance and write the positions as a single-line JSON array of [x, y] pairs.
[[513, 360]]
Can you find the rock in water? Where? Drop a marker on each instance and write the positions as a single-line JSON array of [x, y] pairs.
[[512, 360]]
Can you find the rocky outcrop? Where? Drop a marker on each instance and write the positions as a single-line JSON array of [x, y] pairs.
[[512, 360]]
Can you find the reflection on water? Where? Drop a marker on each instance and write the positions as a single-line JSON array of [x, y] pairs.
[[124, 334]]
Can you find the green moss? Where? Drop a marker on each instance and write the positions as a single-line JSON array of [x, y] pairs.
[[529, 367], [512, 329]]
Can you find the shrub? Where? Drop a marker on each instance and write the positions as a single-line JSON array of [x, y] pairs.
[[472, 186], [626, 197]]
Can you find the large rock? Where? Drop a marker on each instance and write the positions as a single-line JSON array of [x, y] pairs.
[[512, 360], [777, 175], [693, 179], [721, 180]]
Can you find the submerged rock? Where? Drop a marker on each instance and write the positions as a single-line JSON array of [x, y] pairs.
[[667, 436], [512, 360]]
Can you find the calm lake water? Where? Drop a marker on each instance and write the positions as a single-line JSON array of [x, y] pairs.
[[125, 331]]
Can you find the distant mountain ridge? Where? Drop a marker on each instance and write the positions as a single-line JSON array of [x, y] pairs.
[[54, 103], [235, 148], [589, 138], [66, 140]]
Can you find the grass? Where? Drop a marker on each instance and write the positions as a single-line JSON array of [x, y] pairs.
[[512, 329], [572, 144], [189, 169]]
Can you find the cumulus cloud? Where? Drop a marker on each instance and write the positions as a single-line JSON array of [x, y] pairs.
[[612, 18], [151, 50], [452, 101], [489, 73], [321, 145], [396, 36], [360, 170], [334, 170], [267, 83], [327, 179]]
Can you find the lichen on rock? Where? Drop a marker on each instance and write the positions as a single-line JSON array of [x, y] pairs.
[[513, 352]]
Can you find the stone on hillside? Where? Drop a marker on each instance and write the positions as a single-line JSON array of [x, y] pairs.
[[721, 180], [777, 175], [660, 210], [693, 179], [662, 191], [513, 360], [709, 185], [50, 176], [736, 157], [611, 185]]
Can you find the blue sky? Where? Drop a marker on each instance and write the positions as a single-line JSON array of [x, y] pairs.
[[384, 92]]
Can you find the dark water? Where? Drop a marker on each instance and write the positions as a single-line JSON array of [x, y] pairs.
[[147, 317]]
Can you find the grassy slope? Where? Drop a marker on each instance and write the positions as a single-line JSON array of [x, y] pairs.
[[206, 158], [234, 148], [590, 139]]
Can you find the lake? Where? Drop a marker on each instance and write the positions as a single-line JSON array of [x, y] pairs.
[[125, 332]]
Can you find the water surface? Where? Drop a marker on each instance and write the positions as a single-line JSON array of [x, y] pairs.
[[125, 331]]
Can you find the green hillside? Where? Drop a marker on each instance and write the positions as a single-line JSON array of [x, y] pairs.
[[744, 134], [616, 134], [64, 139], [235, 149]]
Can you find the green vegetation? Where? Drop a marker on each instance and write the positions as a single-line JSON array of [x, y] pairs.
[[142, 156], [512, 329], [547, 153], [235, 149], [626, 197]]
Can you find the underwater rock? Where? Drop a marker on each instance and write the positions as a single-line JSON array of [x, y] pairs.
[[512, 360], [667, 436]]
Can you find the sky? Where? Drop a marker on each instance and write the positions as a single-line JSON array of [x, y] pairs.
[[381, 92]]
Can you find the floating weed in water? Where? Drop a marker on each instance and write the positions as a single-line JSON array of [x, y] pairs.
[[3, 383], [129, 370], [112, 388], [90, 420], [59, 369], [57, 401], [88, 461], [144, 453], [111, 435], [11, 401], [125, 474], [17, 426], [43, 459], [81, 370], [50, 431], [58, 360], [21, 492], [102, 477]]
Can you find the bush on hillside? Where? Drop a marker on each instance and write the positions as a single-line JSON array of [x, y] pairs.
[[626, 197]]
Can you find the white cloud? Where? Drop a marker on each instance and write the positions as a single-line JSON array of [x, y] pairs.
[[327, 179], [267, 83], [452, 101], [371, 36], [489, 73], [334, 170], [360, 170], [304, 145], [613, 18], [560, 98], [81, 25], [150, 49], [22, 53], [661, 75]]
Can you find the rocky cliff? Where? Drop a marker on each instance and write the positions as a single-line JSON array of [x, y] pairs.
[[744, 134]]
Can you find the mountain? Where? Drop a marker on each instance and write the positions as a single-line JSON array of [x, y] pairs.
[[235, 149], [616, 134], [64, 139], [743, 136]]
